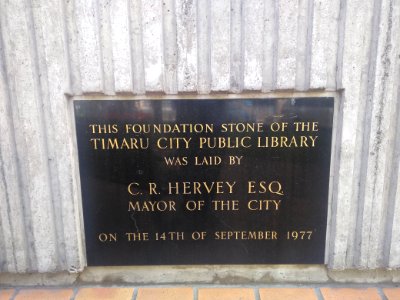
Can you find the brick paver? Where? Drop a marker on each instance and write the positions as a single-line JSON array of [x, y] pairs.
[[350, 294], [104, 293], [288, 294], [44, 294], [226, 294], [392, 293], [203, 293], [165, 294], [6, 294]]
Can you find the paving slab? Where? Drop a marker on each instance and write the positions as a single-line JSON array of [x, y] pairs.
[[288, 294], [165, 294], [102, 293]]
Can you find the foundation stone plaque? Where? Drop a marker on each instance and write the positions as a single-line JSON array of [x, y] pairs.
[[204, 181]]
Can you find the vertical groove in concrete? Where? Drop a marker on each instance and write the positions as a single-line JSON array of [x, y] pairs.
[[170, 46], [102, 10], [236, 42], [136, 46], [321, 44], [341, 24], [287, 44], [304, 42], [253, 25], [270, 45], [153, 41], [203, 46], [74, 80], [90, 61], [187, 39], [220, 46], [325, 42], [121, 51]]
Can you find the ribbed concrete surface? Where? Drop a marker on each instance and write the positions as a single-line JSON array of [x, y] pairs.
[[52, 49]]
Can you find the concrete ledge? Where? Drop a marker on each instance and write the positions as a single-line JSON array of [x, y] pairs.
[[216, 274]]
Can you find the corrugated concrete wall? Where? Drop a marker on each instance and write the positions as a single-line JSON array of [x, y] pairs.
[[53, 49]]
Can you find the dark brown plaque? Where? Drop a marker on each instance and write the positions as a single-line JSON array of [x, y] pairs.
[[233, 181]]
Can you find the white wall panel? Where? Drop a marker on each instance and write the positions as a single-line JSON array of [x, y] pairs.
[[50, 49]]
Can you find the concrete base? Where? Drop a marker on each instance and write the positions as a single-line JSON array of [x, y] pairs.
[[220, 275]]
